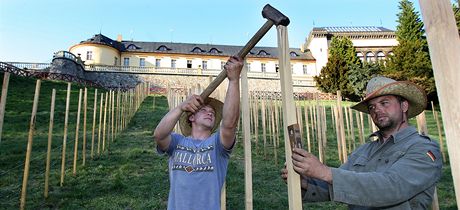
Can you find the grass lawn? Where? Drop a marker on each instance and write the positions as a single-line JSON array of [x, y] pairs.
[[129, 174]]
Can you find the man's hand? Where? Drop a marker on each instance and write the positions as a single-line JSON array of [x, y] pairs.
[[284, 176], [192, 104], [233, 67], [308, 165]]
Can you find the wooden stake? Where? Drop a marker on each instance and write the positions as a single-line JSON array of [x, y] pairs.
[[77, 130], [100, 125], [352, 129], [6, 80], [85, 103], [113, 116], [444, 46], [94, 123], [64, 140], [264, 132], [105, 121], [29, 145], [246, 138], [307, 128], [50, 137], [423, 129], [294, 192]]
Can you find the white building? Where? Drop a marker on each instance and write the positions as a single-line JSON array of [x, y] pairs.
[[371, 43]]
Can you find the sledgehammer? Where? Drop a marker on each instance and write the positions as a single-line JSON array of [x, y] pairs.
[[274, 17]]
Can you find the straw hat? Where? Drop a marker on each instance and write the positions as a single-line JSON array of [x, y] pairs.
[[380, 86], [186, 126]]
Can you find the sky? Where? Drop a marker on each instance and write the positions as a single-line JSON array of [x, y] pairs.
[[31, 31]]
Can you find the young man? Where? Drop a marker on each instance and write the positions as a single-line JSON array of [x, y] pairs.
[[398, 170], [198, 159]]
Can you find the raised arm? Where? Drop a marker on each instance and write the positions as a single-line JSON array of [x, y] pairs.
[[162, 133], [231, 109]]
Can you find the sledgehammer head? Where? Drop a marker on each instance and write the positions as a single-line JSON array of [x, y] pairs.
[[275, 16]]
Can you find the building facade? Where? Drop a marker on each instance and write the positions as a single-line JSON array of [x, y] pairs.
[[101, 50], [371, 43]]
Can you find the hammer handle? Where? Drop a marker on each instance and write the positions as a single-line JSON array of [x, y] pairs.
[[242, 53]]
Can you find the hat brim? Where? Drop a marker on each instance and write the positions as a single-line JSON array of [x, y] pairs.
[[408, 90], [184, 123]]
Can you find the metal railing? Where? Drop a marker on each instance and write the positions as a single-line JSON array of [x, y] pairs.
[[31, 66], [297, 80]]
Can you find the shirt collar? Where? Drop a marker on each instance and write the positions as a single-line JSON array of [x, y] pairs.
[[396, 137]]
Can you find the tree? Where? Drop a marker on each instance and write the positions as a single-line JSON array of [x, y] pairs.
[[410, 59], [334, 76], [360, 75], [456, 9]]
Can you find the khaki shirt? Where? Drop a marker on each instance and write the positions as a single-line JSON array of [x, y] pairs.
[[399, 174]]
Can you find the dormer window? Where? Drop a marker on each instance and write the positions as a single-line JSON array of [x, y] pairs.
[[293, 54], [163, 48], [197, 50], [214, 50], [132, 47], [262, 52]]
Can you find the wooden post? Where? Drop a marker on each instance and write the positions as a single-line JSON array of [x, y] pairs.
[[444, 46], [294, 192], [113, 116], [29, 145], [64, 140], [85, 103], [423, 129], [352, 129], [50, 137], [264, 132], [105, 121], [94, 123], [307, 128], [359, 121], [6, 80], [100, 125], [246, 138], [77, 130]]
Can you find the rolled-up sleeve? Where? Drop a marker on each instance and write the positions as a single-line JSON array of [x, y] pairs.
[[317, 190]]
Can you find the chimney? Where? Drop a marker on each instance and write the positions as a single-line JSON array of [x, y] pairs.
[[119, 38]]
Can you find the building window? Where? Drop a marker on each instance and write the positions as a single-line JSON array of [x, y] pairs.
[[249, 66], [157, 63], [277, 67], [292, 69], [214, 50], [263, 52], [380, 56], [293, 54], [197, 50], [89, 55], [262, 67], [163, 48], [142, 62], [125, 61], [189, 64], [370, 57], [115, 61], [173, 63], [205, 64], [305, 69], [360, 56], [222, 64], [132, 47]]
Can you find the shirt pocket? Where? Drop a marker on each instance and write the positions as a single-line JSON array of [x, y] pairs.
[[386, 161], [360, 163]]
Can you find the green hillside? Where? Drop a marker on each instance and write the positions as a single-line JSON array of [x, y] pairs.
[[129, 174]]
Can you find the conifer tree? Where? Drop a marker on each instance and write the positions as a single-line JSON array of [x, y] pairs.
[[410, 59], [334, 76]]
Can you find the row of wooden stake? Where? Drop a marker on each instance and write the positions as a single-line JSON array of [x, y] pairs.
[[115, 112]]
